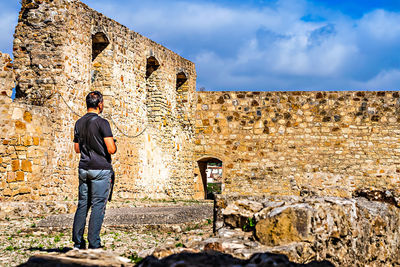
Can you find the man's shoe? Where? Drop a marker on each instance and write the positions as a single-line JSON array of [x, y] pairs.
[[82, 246]]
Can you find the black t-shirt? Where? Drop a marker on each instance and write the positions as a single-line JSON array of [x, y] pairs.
[[89, 132]]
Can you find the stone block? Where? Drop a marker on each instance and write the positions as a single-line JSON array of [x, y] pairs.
[[36, 141], [20, 176], [27, 140], [15, 165], [27, 116], [19, 125], [26, 165], [11, 177], [283, 226], [7, 192]]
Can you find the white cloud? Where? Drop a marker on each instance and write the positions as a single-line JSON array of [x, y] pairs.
[[385, 80], [248, 47], [381, 25]]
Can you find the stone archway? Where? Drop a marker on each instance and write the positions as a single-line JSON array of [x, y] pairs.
[[211, 171]]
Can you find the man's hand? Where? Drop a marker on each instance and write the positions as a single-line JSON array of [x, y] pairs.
[[110, 144], [76, 148]]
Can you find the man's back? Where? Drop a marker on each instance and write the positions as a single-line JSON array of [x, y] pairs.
[[90, 131]]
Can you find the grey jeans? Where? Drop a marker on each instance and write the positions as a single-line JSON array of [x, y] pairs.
[[94, 187]]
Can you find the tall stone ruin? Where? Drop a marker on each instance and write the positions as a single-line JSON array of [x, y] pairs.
[[63, 50]]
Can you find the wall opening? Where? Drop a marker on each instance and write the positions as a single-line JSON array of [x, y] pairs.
[[182, 89], [151, 66], [99, 43], [101, 76], [180, 79], [155, 99], [211, 173]]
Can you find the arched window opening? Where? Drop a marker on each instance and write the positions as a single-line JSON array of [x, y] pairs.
[[99, 43], [211, 174], [152, 65], [180, 79]]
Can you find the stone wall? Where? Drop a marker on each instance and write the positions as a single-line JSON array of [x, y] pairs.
[[62, 50], [24, 142], [286, 143], [7, 79], [299, 143]]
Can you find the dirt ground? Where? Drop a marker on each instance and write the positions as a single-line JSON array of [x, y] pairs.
[[25, 237]]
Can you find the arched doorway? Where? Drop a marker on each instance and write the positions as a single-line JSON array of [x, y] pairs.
[[211, 173], [151, 66]]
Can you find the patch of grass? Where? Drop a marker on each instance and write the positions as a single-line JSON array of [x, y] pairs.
[[179, 245], [250, 224], [10, 248], [134, 258], [190, 228]]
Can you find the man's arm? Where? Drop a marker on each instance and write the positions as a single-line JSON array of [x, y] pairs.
[[76, 148], [110, 144]]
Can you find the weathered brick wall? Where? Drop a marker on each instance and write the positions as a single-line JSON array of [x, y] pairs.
[[55, 68], [26, 136], [324, 143], [285, 143], [7, 79]]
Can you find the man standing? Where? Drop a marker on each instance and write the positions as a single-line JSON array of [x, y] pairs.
[[93, 139]]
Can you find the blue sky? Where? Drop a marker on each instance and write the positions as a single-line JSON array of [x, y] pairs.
[[265, 44]]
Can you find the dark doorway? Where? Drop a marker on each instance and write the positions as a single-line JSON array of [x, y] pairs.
[[99, 43], [211, 174], [180, 79], [151, 66]]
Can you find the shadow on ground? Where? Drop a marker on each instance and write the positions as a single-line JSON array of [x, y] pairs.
[[57, 250], [213, 258]]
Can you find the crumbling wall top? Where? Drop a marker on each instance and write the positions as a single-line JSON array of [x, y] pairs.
[[7, 78]]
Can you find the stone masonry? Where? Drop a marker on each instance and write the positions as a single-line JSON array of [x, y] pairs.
[[276, 143], [62, 50], [297, 166], [301, 143]]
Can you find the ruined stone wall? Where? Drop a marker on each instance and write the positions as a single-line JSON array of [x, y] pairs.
[[25, 138], [291, 143], [62, 50], [7, 79], [344, 231]]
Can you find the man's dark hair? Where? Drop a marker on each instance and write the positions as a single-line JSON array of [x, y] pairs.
[[93, 99]]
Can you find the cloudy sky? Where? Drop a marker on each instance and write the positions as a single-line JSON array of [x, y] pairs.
[[265, 44]]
